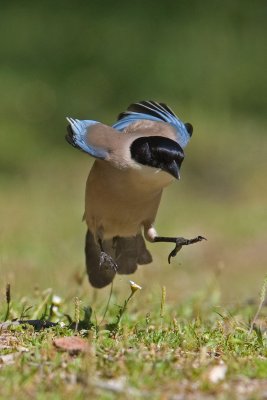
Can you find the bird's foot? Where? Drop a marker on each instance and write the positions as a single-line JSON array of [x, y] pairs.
[[180, 242], [106, 261]]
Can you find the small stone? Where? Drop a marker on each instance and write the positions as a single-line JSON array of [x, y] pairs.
[[71, 344], [217, 373]]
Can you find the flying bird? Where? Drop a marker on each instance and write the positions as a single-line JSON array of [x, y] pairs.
[[134, 160]]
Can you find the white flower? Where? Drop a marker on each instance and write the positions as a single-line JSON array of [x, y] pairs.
[[56, 300], [134, 286]]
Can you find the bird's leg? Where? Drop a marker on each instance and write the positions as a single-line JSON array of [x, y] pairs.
[[152, 236], [105, 259], [179, 243]]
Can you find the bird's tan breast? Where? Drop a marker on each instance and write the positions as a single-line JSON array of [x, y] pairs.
[[117, 203]]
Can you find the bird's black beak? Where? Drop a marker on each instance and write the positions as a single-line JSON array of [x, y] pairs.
[[173, 169]]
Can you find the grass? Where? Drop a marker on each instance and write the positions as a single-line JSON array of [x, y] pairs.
[[133, 353], [197, 318]]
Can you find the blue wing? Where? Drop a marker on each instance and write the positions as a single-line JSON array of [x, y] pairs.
[[151, 110], [78, 137]]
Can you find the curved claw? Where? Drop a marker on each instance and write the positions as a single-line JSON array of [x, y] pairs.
[[199, 238], [180, 242], [174, 252]]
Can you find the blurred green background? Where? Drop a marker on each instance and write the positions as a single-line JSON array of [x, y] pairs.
[[90, 60]]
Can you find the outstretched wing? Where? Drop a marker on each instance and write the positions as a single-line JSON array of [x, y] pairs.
[[151, 110], [77, 136]]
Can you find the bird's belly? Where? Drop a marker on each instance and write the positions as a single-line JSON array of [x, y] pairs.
[[112, 228], [118, 203], [114, 221]]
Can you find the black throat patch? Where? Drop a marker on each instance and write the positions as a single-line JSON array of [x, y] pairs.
[[158, 152]]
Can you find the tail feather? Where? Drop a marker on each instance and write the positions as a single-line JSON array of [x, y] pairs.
[[157, 112], [144, 256], [129, 252], [98, 277], [126, 252]]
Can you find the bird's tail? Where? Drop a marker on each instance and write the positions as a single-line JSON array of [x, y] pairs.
[[126, 252], [98, 276]]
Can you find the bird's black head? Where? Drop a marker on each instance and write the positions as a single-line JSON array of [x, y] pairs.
[[158, 152]]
